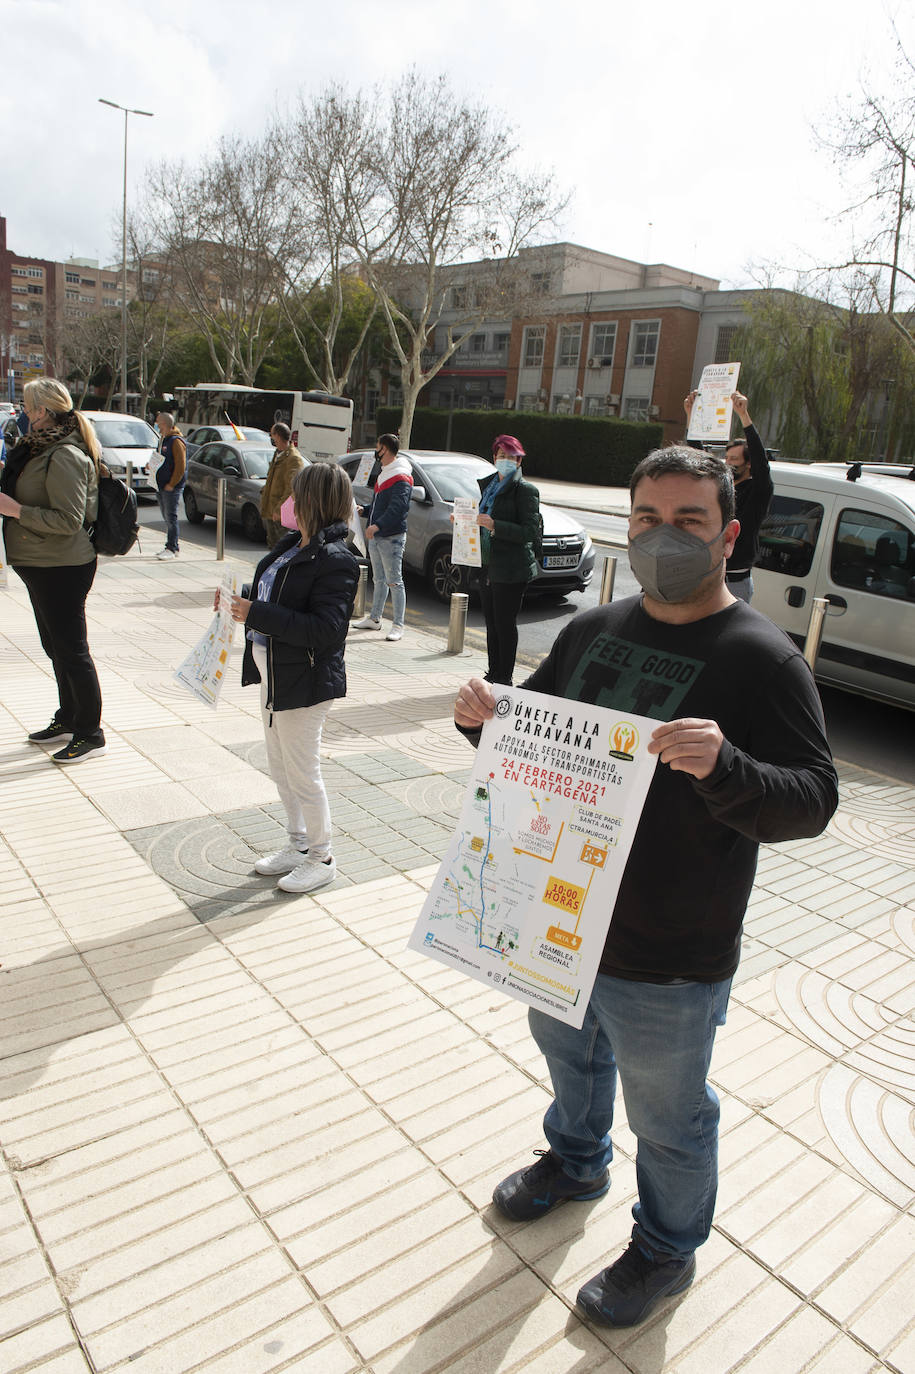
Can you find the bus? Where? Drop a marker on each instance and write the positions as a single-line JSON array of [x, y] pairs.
[[321, 424]]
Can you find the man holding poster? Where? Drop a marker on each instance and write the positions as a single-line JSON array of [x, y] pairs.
[[742, 760]]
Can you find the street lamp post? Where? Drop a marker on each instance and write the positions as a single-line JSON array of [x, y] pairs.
[[149, 115]]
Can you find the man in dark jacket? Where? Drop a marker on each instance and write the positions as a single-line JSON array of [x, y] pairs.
[[742, 760], [749, 464], [386, 534]]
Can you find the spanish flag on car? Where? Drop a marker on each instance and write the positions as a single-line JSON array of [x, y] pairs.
[[235, 430]]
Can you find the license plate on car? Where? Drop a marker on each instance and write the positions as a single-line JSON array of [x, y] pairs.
[[561, 560]]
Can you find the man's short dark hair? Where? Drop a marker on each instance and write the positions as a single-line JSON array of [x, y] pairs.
[[690, 462], [282, 431], [741, 444], [390, 441]]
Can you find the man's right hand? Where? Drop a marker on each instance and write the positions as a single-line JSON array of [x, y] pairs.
[[688, 403], [475, 704]]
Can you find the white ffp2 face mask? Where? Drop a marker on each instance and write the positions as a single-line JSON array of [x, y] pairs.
[[669, 563]]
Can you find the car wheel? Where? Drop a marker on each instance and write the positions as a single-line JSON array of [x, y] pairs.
[[445, 577], [253, 525], [191, 509]]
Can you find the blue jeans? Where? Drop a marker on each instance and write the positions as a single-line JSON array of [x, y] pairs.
[[660, 1037], [386, 556], [168, 505]]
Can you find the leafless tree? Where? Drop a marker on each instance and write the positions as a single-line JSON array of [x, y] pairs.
[[438, 187], [229, 229], [874, 142], [90, 343]]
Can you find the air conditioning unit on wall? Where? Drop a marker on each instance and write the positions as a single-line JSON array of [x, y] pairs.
[[594, 362], [613, 399], [654, 411]]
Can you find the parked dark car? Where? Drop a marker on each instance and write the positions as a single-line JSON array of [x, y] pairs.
[[565, 565], [244, 465]]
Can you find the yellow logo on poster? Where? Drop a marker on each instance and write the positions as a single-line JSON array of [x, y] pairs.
[[594, 855]]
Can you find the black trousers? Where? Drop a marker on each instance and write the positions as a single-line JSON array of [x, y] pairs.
[[58, 597], [501, 604]]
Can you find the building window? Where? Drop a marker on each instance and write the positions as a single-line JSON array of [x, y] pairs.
[[72, 295], [562, 405], [88, 300], [603, 342], [458, 297], [477, 343], [395, 396], [36, 290], [72, 277], [636, 408], [569, 350], [150, 274], [534, 336], [645, 343], [36, 359], [501, 342], [724, 343], [540, 283], [19, 272], [371, 403], [595, 405], [36, 272], [19, 290], [87, 281], [110, 300], [529, 400]]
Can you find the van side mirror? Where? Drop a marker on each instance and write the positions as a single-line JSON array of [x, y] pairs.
[[418, 494]]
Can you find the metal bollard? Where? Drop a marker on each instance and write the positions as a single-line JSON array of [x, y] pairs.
[[222, 484], [815, 630], [359, 604], [128, 475], [457, 622], [607, 579]]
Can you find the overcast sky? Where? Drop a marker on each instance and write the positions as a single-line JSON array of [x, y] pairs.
[[684, 133]]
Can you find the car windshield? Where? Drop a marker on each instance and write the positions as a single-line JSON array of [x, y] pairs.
[[457, 479], [124, 433], [257, 461]]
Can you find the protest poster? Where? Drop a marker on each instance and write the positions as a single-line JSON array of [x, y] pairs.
[[465, 536], [523, 898], [203, 671], [710, 417], [363, 471]]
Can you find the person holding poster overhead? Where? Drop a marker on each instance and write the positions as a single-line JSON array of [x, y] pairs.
[[509, 516], [742, 760], [296, 618], [749, 464]]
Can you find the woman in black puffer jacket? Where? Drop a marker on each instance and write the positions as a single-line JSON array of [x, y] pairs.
[[296, 622]]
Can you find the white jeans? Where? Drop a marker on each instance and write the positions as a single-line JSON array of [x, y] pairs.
[[294, 759]]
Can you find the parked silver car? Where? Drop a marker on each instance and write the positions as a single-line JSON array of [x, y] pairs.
[[127, 439], [210, 434], [567, 560], [244, 464]]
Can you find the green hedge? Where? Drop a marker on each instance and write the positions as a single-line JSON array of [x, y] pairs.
[[571, 447]]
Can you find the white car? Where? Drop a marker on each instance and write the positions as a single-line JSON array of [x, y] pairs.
[[127, 439], [845, 534]]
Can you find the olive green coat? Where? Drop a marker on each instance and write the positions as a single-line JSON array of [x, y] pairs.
[[283, 467], [510, 554], [58, 492]]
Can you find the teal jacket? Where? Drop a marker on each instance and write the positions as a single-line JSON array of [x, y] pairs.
[[509, 550]]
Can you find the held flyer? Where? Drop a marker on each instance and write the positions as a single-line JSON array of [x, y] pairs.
[[523, 897], [710, 418], [465, 540], [204, 670]]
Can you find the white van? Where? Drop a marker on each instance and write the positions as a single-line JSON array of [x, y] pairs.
[[846, 534], [127, 439]]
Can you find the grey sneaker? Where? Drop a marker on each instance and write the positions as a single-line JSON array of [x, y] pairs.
[[534, 1191]]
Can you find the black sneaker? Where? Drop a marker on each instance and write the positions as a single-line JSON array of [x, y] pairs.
[[52, 733], [79, 749], [536, 1190], [625, 1293]]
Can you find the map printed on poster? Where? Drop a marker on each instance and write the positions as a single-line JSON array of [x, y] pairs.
[[465, 537], [203, 671], [710, 418], [4, 571], [523, 897]]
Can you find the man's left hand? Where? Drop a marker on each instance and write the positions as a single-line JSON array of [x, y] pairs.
[[370, 531], [688, 746]]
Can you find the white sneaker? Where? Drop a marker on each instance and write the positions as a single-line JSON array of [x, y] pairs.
[[310, 875], [167, 553], [366, 623], [283, 861], [395, 632]]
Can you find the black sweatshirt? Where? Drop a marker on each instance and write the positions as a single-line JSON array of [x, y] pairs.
[[752, 497], [681, 903]]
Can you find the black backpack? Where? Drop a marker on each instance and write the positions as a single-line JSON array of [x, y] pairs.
[[115, 529]]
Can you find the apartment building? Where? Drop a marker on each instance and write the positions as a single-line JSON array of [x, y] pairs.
[[38, 298]]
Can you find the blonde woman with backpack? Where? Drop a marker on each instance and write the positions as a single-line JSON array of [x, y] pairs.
[[48, 496]]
